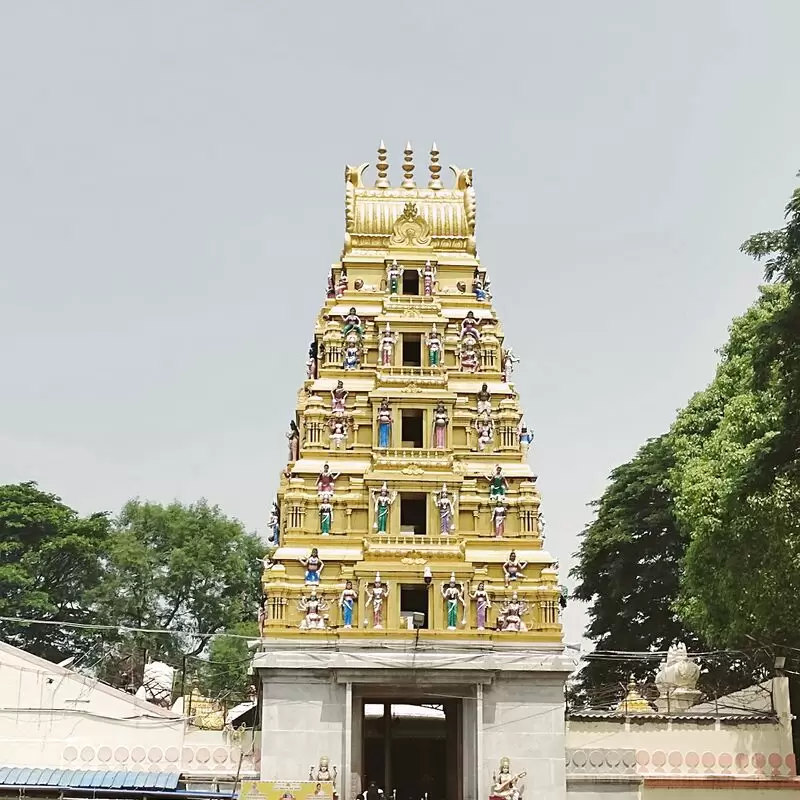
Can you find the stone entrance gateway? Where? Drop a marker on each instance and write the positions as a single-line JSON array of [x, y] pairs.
[[332, 700]]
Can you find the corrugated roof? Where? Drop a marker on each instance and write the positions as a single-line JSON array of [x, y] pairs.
[[87, 779]]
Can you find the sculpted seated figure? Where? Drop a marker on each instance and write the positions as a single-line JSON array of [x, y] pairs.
[[505, 785]]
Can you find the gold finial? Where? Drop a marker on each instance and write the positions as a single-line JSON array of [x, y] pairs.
[[383, 167], [408, 168], [435, 182]]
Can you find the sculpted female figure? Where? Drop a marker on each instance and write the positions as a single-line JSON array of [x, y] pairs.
[[512, 569], [469, 356], [338, 397], [444, 502], [325, 513], [393, 273], [498, 485], [314, 566], [453, 594], [509, 359], [510, 616], [376, 594], [499, 518], [274, 525], [483, 604], [485, 400], [440, 422], [347, 601], [469, 327], [294, 441], [383, 502], [505, 786], [313, 607], [384, 424], [428, 273], [388, 341], [434, 342], [326, 481], [341, 286]]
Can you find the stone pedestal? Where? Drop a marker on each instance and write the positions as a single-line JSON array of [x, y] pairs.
[[500, 702]]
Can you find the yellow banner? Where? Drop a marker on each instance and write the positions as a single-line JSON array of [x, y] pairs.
[[286, 790]]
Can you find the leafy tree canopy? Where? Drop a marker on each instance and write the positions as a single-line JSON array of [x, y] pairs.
[[51, 562]]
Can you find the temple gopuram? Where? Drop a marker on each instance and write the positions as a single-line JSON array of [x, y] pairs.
[[409, 567]]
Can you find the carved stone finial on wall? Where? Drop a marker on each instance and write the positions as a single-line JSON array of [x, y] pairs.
[[436, 181], [383, 167], [408, 168]]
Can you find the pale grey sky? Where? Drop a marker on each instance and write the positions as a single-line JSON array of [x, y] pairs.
[[171, 197]]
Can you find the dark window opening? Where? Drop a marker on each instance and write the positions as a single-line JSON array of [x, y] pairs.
[[410, 281], [412, 350], [414, 514], [413, 599], [412, 427]]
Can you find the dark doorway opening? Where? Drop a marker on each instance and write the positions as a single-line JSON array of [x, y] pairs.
[[412, 427], [410, 281], [413, 748], [414, 600], [412, 350], [414, 514]]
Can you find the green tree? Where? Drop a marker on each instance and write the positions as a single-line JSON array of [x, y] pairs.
[[741, 584], [225, 674], [186, 569], [628, 569], [51, 561]]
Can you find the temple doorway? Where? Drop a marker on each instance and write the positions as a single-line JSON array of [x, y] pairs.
[[412, 750]]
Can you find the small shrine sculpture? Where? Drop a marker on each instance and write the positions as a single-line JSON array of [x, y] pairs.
[[469, 327], [338, 397], [337, 425], [376, 596], [485, 428], [509, 359], [323, 773], [505, 785], [388, 341], [510, 616], [274, 525], [676, 681], [294, 441], [325, 513], [498, 485], [453, 594], [485, 401], [352, 324], [633, 702], [342, 283], [468, 356], [525, 440], [393, 274], [326, 482], [312, 606]]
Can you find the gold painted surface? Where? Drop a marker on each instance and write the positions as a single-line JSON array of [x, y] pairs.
[[411, 224]]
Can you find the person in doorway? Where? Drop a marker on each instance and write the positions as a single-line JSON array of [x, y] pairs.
[[372, 793]]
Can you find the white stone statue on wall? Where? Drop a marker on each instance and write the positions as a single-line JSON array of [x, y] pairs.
[[323, 772], [676, 680], [505, 784]]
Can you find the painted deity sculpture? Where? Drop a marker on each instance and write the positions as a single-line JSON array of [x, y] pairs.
[[351, 358], [435, 347], [326, 481], [453, 594], [294, 441], [314, 566], [478, 288], [509, 359], [325, 513], [485, 401], [482, 605], [331, 288], [505, 786], [469, 356], [352, 323], [337, 426], [428, 274], [384, 424], [341, 286], [469, 327], [376, 597], [525, 440], [499, 513], [274, 525], [485, 428], [440, 422], [498, 485], [393, 274], [445, 503], [676, 680], [510, 616], [388, 341], [338, 397], [323, 772], [512, 569], [312, 606], [311, 364], [383, 502], [540, 523], [347, 603]]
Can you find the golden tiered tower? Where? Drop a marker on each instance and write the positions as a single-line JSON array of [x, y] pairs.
[[408, 492]]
